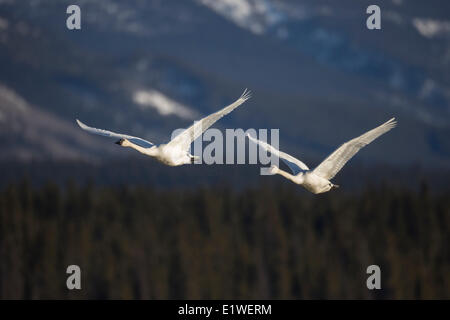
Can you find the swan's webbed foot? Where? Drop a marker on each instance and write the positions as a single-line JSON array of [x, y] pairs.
[[194, 158], [273, 169]]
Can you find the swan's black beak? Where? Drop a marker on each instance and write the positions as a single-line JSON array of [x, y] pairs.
[[120, 142]]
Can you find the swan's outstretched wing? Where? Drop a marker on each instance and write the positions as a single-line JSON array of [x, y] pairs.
[[335, 161], [184, 139], [294, 164], [139, 141]]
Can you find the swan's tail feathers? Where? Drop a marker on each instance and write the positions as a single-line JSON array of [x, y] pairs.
[[120, 142], [247, 94]]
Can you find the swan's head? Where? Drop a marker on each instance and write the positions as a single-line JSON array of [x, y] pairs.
[[123, 143], [328, 187]]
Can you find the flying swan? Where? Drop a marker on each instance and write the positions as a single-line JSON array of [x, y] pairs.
[[175, 152], [318, 180]]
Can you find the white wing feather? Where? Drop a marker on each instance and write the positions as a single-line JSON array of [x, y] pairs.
[[136, 140], [294, 164], [335, 161], [184, 139]]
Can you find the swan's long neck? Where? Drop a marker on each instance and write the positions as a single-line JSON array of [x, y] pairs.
[[148, 151], [287, 175]]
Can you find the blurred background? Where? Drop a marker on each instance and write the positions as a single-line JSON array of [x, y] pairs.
[[140, 230]]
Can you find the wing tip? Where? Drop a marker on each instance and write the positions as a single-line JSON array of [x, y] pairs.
[[247, 94], [392, 123], [81, 124]]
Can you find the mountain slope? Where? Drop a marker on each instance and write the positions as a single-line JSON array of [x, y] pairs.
[[149, 67], [31, 134]]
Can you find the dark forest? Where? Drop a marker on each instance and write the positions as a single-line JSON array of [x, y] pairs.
[[272, 241]]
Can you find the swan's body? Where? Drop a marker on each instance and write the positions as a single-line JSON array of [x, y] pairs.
[[318, 180], [175, 152]]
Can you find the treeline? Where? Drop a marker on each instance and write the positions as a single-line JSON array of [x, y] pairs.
[[272, 241], [142, 171]]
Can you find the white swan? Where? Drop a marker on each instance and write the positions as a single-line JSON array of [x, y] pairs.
[[318, 180], [176, 152]]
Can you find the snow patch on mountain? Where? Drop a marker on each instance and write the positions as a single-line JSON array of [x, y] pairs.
[[431, 28], [253, 15], [164, 105], [30, 133]]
